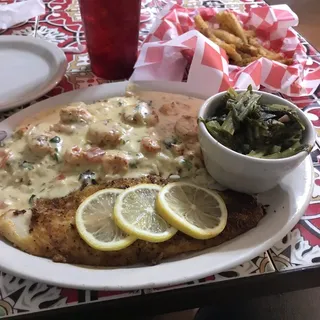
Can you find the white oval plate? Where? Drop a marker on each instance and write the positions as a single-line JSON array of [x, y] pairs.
[[288, 201], [29, 68]]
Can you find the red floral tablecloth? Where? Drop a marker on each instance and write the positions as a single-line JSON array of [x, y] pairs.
[[61, 24]]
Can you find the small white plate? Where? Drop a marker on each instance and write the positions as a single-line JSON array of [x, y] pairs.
[[29, 68], [287, 203]]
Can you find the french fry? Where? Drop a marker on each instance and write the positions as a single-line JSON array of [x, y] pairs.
[[229, 49], [254, 42], [241, 46], [287, 61], [202, 26], [227, 37], [250, 33], [269, 54], [244, 55], [251, 50], [232, 39], [246, 61], [229, 20]]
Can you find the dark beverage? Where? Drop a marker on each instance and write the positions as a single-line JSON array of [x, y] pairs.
[[112, 31]]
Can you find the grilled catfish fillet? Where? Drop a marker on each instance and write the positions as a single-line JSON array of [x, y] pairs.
[[51, 230]]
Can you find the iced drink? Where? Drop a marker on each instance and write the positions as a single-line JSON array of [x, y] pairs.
[[112, 30]]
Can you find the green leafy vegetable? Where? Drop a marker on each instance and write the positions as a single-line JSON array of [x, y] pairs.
[[87, 175], [133, 165], [32, 200], [26, 165], [187, 163], [55, 139], [169, 142], [259, 130], [56, 156], [86, 178], [123, 141]]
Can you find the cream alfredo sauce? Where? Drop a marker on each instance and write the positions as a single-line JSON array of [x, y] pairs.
[[62, 150]]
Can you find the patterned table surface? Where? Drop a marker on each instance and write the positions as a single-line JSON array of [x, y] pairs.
[[61, 24]]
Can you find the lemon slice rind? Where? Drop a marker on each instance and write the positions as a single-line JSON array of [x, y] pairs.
[[131, 229], [89, 238], [180, 223]]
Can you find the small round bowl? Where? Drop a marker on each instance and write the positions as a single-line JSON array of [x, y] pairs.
[[244, 173]]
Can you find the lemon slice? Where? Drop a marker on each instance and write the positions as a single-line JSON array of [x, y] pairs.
[[135, 213], [94, 221], [195, 211]]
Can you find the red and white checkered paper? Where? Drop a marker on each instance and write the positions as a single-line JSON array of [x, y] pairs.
[[174, 45]]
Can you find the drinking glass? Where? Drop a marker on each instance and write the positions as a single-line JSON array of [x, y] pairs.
[[112, 30]]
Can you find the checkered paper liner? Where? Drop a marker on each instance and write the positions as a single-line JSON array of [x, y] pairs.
[[174, 46]]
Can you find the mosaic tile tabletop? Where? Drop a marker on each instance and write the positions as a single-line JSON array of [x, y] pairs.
[[61, 24]]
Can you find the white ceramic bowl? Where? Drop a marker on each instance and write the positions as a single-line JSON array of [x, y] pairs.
[[240, 172]]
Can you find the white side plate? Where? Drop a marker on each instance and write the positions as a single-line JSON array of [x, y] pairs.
[[288, 201], [29, 68]]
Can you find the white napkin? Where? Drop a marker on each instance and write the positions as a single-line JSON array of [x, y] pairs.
[[11, 14]]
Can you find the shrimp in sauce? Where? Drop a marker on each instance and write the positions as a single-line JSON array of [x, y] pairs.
[[105, 132], [5, 155], [140, 114], [75, 114], [128, 136], [115, 163], [78, 156], [63, 128], [38, 142], [174, 108], [186, 128], [150, 145]]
